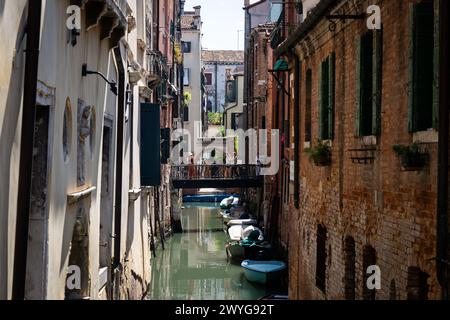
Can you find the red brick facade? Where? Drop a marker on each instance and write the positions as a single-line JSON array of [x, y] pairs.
[[369, 211]]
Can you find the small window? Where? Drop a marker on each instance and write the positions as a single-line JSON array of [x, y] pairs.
[[208, 77], [186, 46], [231, 91], [326, 121], [186, 77], [321, 258]]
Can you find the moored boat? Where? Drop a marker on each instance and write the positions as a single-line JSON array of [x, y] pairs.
[[205, 198], [242, 222], [263, 272]]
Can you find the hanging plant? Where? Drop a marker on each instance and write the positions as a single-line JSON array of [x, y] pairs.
[[320, 155], [411, 157], [187, 97]]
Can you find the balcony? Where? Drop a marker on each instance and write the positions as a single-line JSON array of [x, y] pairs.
[[156, 68], [110, 16]]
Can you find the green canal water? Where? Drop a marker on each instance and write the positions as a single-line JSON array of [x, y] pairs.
[[194, 264]]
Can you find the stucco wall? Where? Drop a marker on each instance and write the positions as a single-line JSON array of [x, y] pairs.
[[12, 23]]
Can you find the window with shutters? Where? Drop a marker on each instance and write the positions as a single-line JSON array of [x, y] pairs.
[[327, 86], [423, 67], [369, 84], [308, 84], [321, 258]]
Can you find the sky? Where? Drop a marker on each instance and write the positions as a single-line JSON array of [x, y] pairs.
[[222, 19]]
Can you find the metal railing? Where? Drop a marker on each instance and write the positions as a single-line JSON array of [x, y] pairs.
[[215, 172]]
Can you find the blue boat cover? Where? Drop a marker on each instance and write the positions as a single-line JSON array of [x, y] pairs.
[[263, 266]]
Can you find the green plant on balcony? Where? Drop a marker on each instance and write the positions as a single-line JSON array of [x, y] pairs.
[[187, 97], [320, 154], [215, 118], [411, 156]]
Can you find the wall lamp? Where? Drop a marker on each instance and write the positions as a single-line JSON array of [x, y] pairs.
[[112, 85]]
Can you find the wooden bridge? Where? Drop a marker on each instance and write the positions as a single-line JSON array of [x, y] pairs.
[[216, 176]]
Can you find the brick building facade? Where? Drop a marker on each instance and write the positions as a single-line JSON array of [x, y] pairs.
[[360, 92]]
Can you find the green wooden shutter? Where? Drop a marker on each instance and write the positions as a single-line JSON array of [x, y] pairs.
[[331, 94], [377, 82], [150, 145], [411, 100], [321, 101], [436, 65], [359, 93], [424, 65]]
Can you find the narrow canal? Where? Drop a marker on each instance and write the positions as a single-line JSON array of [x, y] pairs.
[[194, 264]]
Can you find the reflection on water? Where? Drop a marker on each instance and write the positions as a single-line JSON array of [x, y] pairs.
[[194, 264]]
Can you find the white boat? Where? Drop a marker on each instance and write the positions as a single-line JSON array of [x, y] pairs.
[[227, 202], [246, 222], [263, 271], [235, 233], [235, 202], [247, 230]]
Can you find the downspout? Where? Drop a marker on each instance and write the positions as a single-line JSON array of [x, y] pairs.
[[442, 205], [26, 148], [119, 160], [297, 133]]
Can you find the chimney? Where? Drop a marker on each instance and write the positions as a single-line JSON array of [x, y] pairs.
[[197, 10], [246, 3]]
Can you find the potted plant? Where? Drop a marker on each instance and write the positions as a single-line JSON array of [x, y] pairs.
[[320, 155], [411, 157]]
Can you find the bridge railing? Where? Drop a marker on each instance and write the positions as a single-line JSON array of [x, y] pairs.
[[215, 172]]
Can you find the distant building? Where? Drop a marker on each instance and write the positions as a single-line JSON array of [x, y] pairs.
[[217, 64], [191, 30]]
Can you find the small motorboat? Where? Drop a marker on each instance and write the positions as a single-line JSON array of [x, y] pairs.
[[205, 198], [235, 233], [263, 272], [227, 202], [242, 222], [235, 251], [253, 233]]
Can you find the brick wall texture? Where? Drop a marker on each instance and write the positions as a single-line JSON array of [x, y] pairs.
[[377, 205]]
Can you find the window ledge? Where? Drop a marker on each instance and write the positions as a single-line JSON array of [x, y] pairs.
[[429, 136], [369, 140]]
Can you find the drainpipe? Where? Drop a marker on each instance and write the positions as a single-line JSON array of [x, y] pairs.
[[297, 133], [119, 160], [442, 206], [26, 148]]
